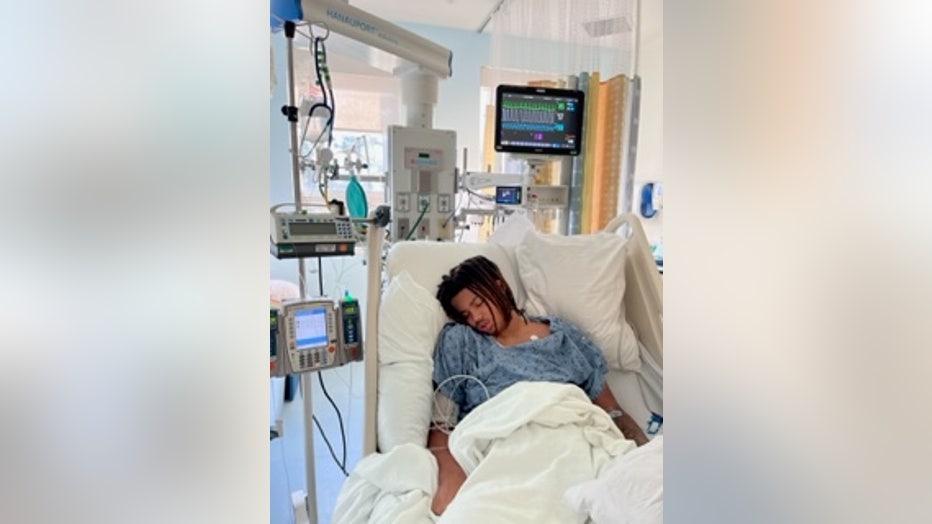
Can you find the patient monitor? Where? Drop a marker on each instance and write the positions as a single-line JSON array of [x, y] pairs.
[[538, 120], [537, 124]]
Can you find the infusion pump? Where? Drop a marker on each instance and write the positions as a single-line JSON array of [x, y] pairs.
[[300, 234], [310, 335]]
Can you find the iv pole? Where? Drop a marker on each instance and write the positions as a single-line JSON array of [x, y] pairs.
[[432, 62], [291, 112]]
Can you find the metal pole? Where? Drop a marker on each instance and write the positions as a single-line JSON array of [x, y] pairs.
[[306, 386], [373, 297], [631, 147]]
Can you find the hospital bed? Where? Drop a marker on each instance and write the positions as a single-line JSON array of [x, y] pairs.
[[607, 284]]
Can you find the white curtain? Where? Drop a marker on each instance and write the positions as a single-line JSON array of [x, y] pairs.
[[565, 37]]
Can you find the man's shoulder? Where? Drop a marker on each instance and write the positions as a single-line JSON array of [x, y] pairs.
[[456, 332]]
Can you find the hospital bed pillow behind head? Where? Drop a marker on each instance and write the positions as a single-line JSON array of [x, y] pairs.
[[581, 279], [409, 320], [427, 262]]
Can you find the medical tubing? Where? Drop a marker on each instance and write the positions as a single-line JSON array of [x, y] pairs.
[[437, 407], [417, 222]]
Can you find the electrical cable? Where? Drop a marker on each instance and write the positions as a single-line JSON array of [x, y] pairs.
[[323, 388], [320, 278], [487, 198], [330, 447], [438, 410], [316, 39], [326, 90]]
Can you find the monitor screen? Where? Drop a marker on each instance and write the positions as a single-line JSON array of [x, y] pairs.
[[508, 195], [538, 120], [310, 327]]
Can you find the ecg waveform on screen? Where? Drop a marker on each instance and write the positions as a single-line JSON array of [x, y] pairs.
[[537, 121], [533, 116]]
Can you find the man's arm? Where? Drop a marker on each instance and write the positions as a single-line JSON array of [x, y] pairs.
[[629, 428], [451, 475]]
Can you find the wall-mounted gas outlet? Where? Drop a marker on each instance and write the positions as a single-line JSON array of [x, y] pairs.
[[423, 202], [445, 228], [403, 228], [443, 203], [403, 202]]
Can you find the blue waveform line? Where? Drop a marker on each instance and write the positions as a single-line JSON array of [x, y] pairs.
[[522, 126]]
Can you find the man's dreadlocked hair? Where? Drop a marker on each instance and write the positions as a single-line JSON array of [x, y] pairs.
[[481, 276]]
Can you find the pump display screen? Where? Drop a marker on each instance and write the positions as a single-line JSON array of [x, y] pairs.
[[313, 228], [538, 120], [310, 328]]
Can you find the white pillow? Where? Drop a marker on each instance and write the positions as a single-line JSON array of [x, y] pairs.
[[629, 491], [429, 261], [404, 404], [409, 320], [581, 279]]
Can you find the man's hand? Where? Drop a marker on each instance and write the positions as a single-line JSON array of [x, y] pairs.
[[451, 478], [451, 475], [630, 429]]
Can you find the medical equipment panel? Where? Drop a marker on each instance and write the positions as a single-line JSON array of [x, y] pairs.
[[508, 195], [311, 235], [276, 367], [538, 120], [351, 326], [421, 182], [311, 335], [547, 197]]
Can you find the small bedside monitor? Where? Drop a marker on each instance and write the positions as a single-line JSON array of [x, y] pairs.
[[538, 120], [508, 195]]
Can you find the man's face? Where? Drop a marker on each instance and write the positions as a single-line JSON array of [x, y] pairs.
[[477, 313]]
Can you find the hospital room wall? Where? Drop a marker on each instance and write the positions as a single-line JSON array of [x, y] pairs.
[[649, 164]]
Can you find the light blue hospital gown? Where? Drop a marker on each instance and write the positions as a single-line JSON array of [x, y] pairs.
[[565, 356]]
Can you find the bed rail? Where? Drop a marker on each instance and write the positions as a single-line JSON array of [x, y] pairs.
[[643, 285]]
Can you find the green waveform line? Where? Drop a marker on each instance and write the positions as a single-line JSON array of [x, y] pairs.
[[532, 106]]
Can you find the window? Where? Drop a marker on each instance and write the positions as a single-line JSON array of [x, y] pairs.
[[365, 105]]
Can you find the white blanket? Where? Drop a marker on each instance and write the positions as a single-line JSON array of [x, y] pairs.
[[521, 451]]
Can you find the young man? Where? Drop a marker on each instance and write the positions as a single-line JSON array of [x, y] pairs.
[[498, 344]]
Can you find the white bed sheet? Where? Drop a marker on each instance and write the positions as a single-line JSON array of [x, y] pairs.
[[522, 451]]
